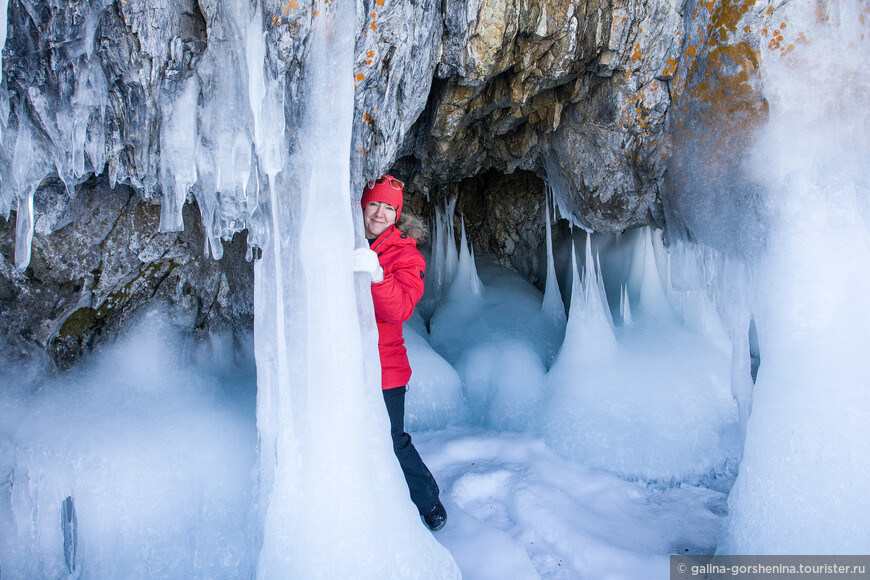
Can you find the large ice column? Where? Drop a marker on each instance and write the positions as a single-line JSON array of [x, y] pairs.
[[802, 487], [334, 500]]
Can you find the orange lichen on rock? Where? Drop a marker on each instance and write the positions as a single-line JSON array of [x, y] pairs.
[[708, 95], [636, 110], [670, 68], [733, 99], [635, 56], [726, 17], [359, 77]]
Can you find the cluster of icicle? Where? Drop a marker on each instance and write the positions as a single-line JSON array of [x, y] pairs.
[[451, 273], [690, 283], [221, 133]]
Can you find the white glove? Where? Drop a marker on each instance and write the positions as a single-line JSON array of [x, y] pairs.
[[365, 260]]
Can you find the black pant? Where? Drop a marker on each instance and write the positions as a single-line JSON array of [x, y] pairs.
[[421, 484]]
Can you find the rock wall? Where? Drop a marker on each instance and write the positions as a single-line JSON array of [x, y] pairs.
[[627, 109], [98, 259]]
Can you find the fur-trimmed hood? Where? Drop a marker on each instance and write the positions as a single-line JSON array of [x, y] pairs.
[[413, 227]]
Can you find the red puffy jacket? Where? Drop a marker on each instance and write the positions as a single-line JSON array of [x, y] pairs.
[[394, 299]]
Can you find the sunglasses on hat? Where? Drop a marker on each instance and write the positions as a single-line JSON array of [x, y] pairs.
[[394, 183]]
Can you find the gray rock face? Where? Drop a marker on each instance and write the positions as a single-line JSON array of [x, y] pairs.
[[609, 102], [98, 259]]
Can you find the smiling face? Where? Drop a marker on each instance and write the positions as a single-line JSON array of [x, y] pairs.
[[377, 217]]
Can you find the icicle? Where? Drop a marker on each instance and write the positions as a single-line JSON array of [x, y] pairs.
[[25, 187], [24, 230], [476, 284], [451, 258], [208, 211], [466, 281], [592, 283], [267, 99], [685, 270], [593, 289], [601, 290], [589, 338], [439, 256], [69, 531], [624, 306], [552, 306], [178, 144], [652, 295]]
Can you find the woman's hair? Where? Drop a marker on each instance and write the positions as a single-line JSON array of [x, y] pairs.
[[413, 227]]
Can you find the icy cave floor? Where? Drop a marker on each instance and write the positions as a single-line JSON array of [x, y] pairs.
[[517, 510]]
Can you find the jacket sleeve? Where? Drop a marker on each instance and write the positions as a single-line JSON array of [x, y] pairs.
[[400, 290]]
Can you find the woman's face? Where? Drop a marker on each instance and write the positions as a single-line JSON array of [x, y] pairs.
[[378, 216]]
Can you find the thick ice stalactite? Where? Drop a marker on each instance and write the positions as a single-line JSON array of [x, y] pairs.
[[25, 187], [552, 307], [332, 496], [652, 294], [466, 282], [624, 305], [178, 160], [443, 262], [589, 337]]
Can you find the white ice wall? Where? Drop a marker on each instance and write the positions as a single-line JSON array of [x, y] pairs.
[[802, 484]]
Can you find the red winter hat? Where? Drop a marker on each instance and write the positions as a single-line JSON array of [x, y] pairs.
[[386, 189]]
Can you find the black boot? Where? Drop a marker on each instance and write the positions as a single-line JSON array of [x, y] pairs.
[[436, 518]]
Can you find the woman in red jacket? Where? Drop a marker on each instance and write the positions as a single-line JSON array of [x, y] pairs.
[[397, 270]]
